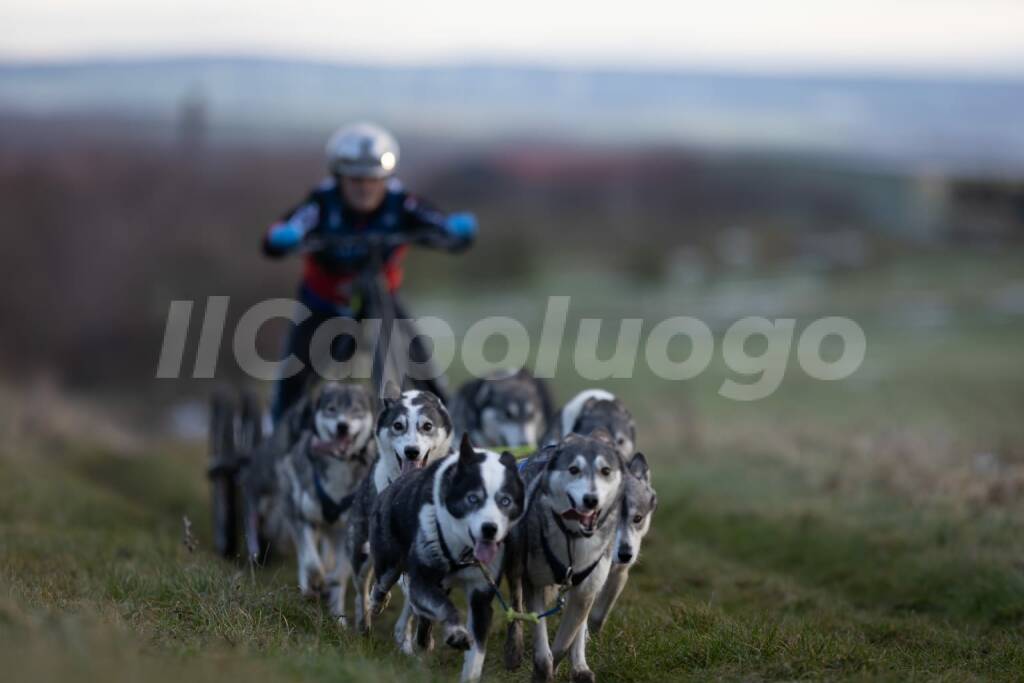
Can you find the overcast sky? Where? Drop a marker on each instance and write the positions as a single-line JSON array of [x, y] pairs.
[[916, 35]]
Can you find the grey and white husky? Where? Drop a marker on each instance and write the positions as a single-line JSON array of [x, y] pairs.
[[638, 503], [589, 411], [505, 409], [313, 480], [436, 526], [564, 542], [413, 429]]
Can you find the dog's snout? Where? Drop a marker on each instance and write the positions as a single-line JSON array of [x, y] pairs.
[[625, 554], [342, 429], [412, 452], [590, 501], [489, 530]]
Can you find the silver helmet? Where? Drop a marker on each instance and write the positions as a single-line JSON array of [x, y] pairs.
[[363, 150]]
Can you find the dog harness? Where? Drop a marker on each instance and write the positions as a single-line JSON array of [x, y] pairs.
[[330, 509], [564, 575], [453, 564]]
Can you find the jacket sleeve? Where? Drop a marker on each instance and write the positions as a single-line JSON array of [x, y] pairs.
[[434, 228], [285, 236]]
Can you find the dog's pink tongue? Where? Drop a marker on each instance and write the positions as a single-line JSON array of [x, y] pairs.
[[485, 551]]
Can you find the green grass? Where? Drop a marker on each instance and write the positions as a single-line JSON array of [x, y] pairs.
[[836, 531]]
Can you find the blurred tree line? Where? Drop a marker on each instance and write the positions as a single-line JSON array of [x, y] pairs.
[[106, 221]]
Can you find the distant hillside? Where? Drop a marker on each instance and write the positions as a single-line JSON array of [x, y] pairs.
[[971, 125]]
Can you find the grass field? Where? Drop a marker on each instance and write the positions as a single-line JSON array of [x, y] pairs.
[[864, 529]]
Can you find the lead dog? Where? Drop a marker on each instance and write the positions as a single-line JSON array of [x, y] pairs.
[[436, 525], [638, 503], [564, 541], [313, 479], [505, 409], [413, 429], [589, 411]]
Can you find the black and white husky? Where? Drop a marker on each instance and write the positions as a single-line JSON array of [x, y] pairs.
[[638, 503], [589, 411], [413, 429], [313, 480], [436, 525], [505, 409], [564, 542]]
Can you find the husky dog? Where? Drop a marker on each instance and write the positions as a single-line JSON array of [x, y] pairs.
[[591, 410], [505, 409], [298, 419], [313, 480], [413, 429], [638, 504], [264, 514], [564, 542], [436, 525]]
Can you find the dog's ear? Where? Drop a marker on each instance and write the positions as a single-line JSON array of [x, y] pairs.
[[551, 452], [391, 392], [639, 468], [466, 452], [508, 460]]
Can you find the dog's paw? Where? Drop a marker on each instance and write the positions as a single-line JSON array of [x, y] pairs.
[[458, 637], [379, 601], [514, 648], [543, 670], [424, 636], [583, 676], [342, 621], [312, 584]]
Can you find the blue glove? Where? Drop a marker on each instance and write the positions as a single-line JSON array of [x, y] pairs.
[[285, 236], [462, 225]]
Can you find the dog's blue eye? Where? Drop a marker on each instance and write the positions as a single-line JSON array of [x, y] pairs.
[[504, 501], [473, 499]]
